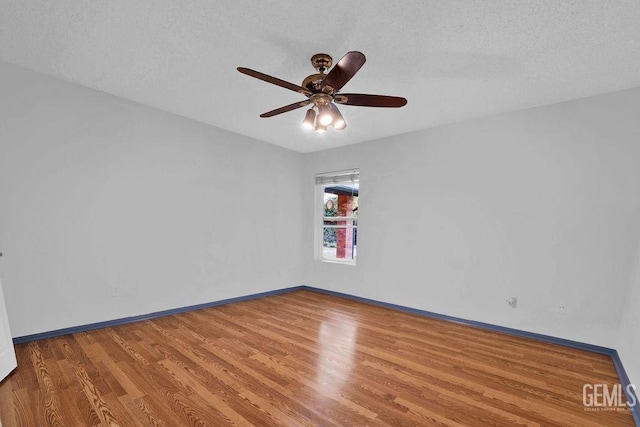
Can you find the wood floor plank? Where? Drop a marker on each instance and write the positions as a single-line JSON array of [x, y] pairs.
[[302, 359]]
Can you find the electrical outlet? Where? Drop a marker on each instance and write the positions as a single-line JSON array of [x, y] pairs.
[[561, 308]]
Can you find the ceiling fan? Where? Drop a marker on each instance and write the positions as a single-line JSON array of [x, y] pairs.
[[322, 90]]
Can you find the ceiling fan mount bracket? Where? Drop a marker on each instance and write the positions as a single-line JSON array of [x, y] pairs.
[[321, 62]]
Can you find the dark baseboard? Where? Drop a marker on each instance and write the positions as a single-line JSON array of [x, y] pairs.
[[617, 363], [632, 396], [487, 326], [125, 320]]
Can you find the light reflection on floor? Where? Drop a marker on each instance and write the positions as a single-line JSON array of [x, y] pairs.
[[337, 340]]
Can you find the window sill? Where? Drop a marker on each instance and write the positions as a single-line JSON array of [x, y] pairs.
[[335, 261]]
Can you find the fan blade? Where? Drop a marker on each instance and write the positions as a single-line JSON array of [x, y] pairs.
[[342, 72], [274, 80], [363, 100], [286, 108]]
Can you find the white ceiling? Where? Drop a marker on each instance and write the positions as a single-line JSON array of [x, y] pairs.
[[452, 60]]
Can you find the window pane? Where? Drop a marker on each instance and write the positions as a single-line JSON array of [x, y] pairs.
[[339, 242], [339, 213]]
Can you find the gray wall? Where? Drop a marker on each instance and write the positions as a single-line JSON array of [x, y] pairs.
[[97, 192], [542, 204], [628, 345]]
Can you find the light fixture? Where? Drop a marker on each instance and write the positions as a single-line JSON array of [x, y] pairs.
[[309, 119], [325, 116], [338, 120]]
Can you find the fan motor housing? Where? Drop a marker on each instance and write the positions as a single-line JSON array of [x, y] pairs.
[[312, 82]]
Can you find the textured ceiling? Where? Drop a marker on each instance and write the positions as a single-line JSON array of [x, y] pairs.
[[452, 60]]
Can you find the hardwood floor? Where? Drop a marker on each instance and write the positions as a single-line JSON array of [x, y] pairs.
[[299, 359]]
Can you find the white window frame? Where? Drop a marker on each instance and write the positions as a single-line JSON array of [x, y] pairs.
[[323, 180]]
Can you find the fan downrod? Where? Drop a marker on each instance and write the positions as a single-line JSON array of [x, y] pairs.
[[321, 62]]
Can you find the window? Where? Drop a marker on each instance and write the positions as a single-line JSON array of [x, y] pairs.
[[337, 216]]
